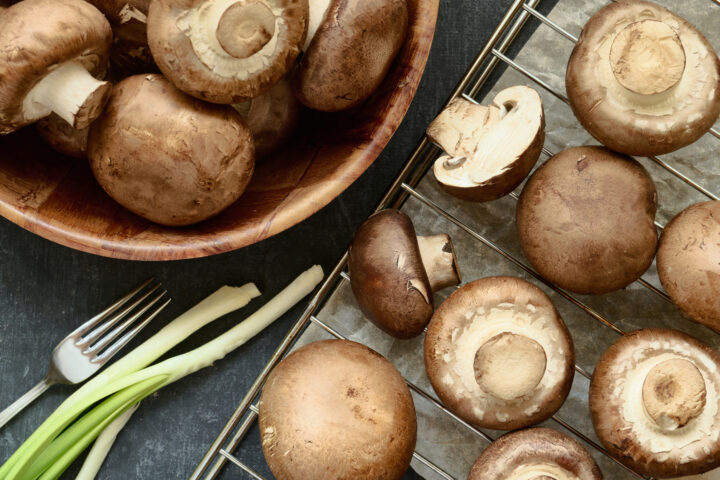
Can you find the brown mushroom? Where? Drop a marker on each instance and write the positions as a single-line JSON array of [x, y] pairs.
[[585, 219], [489, 150], [688, 262], [655, 405], [350, 52], [498, 354], [272, 117], [62, 137], [337, 409], [177, 163], [128, 18], [226, 51], [642, 80], [393, 273], [535, 454], [47, 67]]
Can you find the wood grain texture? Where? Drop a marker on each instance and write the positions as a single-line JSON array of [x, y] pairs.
[[57, 197]]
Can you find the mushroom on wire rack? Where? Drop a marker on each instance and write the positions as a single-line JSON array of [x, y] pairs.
[[586, 220], [342, 410], [47, 67], [642, 80], [535, 454], [489, 149], [498, 354], [393, 272], [688, 262], [654, 399], [177, 163]]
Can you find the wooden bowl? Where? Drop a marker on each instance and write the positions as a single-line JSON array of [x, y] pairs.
[[57, 197]]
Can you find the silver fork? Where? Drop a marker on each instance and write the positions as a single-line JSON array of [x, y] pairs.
[[92, 344]]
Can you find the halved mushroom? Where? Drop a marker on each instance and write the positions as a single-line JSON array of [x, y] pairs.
[[490, 150], [585, 219], [642, 80], [62, 137], [177, 163], [337, 409], [226, 51], [655, 404], [48, 67], [688, 262], [272, 117], [393, 273], [130, 52], [351, 51], [535, 454], [498, 354]]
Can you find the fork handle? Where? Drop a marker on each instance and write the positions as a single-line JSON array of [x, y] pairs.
[[22, 402]]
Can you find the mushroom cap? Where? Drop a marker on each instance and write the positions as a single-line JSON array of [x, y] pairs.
[[351, 53], [651, 121], [62, 137], [619, 412], [342, 409], [479, 315], [177, 163], [272, 117], [387, 275], [585, 219], [688, 262], [32, 48], [190, 53], [535, 453], [499, 143]]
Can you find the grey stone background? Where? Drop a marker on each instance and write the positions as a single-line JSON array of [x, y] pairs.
[[47, 289]]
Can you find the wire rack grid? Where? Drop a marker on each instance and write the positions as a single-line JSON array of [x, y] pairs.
[[405, 187]]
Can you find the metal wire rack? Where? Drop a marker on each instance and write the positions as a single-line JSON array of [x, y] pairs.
[[404, 187]]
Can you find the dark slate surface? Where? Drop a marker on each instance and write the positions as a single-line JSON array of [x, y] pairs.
[[47, 289]]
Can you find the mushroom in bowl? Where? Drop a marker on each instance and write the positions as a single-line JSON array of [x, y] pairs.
[[535, 454], [654, 403], [47, 67], [642, 80], [62, 137], [176, 164], [342, 410], [498, 354], [393, 272], [586, 220], [688, 262], [226, 51], [489, 150], [350, 48]]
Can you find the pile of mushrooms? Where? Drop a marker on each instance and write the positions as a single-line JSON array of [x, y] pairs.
[[393, 272], [173, 159], [489, 150], [535, 454], [585, 220], [337, 409], [498, 354], [642, 80], [655, 404]]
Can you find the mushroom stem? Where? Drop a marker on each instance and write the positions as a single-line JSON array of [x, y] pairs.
[[318, 9], [71, 92], [674, 393], [438, 257], [245, 27]]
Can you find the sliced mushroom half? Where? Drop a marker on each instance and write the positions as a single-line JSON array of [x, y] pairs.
[[535, 454], [688, 262], [489, 149], [226, 51], [642, 80], [47, 67], [393, 273], [655, 404], [498, 354]]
